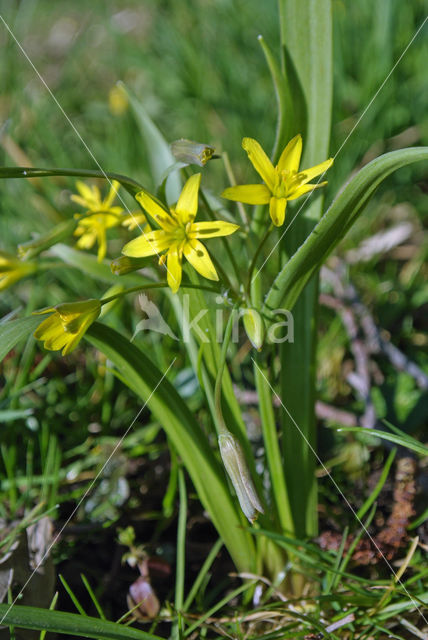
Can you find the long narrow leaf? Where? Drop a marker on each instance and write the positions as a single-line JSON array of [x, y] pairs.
[[14, 331], [408, 442], [68, 623]]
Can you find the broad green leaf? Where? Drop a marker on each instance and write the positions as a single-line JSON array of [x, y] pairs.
[[31, 172], [68, 623], [187, 437], [157, 149], [306, 39], [12, 332], [333, 226]]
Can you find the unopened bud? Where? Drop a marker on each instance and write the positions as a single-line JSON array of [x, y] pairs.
[[191, 152], [236, 466], [123, 265], [254, 328]]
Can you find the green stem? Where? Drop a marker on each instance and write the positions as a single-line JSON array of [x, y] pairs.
[[224, 240], [273, 452], [129, 184], [154, 285], [181, 542], [217, 389], [256, 255]]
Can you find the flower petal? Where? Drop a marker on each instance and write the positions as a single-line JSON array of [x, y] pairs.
[[248, 193], [317, 170], [277, 210], [260, 161], [48, 328], [212, 229], [200, 260], [305, 188], [148, 244], [82, 201], [157, 212], [173, 265], [102, 244], [87, 239], [290, 157], [114, 189], [187, 204], [89, 194]]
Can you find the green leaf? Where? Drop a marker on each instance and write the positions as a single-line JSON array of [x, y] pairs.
[[12, 332], [31, 172], [404, 441], [290, 99], [157, 149], [307, 38], [68, 623], [188, 439], [333, 226]]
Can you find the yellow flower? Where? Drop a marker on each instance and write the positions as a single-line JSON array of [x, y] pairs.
[[179, 234], [134, 220], [12, 269], [99, 217], [283, 182], [68, 321]]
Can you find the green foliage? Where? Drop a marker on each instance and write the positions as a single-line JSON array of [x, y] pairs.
[[215, 92]]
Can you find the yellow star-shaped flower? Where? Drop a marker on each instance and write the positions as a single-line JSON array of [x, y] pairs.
[[68, 321], [100, 215], [179, 234], [283, 182]]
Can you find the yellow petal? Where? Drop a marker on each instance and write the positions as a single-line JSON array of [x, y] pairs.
[[174, 269], [300, 191], [79, 200], [154, 209], [317, 170], [49, 327], [114, 188], [87, 239], [212, 229], [148, 244], [86, 192], [248, 193], [260, 161], [187, 204], [290, 157], [277, 210], [200, 260], [102, 244]]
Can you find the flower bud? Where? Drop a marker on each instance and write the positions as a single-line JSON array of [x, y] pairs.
[[123, 265], [191, 152], [254, 327], [236, 466]]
